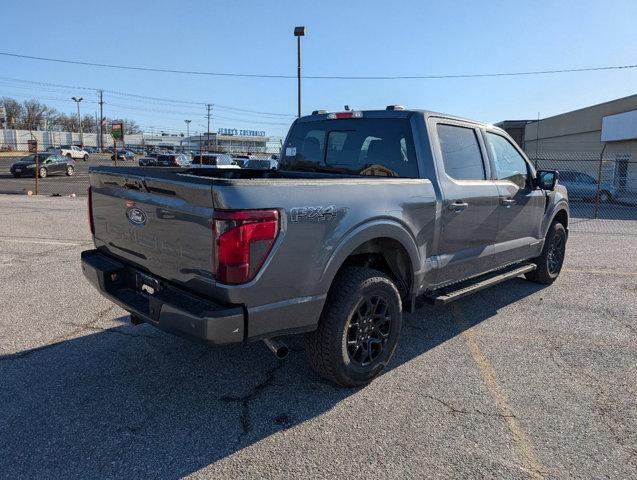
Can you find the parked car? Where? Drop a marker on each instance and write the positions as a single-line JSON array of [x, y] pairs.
[[168, 160], [261, 164], [241, 159], [49, 164], [149, 160], [91, 150], [367, 211], [72, 151], [584, 187], [213, 159], [123, 155]]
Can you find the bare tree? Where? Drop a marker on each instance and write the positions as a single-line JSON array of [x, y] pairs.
[[13, 108], [131, 127], [34, 114]]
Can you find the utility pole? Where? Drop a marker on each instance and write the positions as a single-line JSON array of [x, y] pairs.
[[209, 108], [298, 33], [101, 142], [79, 119]]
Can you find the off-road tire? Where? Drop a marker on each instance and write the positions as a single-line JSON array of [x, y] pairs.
[[327, 348], [544, 273]]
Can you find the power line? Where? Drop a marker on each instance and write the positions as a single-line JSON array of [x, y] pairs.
[[142, 97], [322, 77]]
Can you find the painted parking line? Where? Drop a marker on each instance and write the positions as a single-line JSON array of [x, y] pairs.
[[42, 242], [599, 272], [522, 442]]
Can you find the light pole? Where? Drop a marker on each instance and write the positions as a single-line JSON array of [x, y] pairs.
[[298, 33], [79, 119], [188, 132]]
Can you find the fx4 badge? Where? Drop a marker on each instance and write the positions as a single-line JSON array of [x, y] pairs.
[[317, 214]]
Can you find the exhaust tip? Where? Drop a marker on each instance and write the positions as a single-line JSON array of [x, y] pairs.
[[279, 349], [282, 352]]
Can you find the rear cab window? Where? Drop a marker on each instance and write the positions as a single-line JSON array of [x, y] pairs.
[[359, 146], [461, 153]]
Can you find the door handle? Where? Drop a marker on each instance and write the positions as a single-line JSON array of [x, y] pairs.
[[457, 206], [507, 202]]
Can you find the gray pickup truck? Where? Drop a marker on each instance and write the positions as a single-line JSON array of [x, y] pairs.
[[366, 211]]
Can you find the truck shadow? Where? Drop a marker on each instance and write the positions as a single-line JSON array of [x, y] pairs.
[[134, 402]]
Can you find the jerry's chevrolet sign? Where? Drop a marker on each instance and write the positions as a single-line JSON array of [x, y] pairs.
[[244, 133]]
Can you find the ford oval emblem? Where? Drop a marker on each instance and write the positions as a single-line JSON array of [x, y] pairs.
[[137, 216]]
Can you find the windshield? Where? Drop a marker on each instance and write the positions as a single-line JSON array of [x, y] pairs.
[[376, 147]]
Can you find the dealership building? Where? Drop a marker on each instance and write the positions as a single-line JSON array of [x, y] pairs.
[[577, 140], [229, 140]]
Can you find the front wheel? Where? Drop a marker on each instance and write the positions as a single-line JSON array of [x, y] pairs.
[[359, 328], [85, 158], [69, 171], [549, 263], [42, 172]]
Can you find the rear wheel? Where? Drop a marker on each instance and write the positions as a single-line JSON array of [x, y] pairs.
[[69, 155], [549, 263], [359, 328], [69, 170], [85, 158], [42, 172], [15, 175]]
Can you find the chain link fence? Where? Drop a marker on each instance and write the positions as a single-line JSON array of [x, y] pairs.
[[58, 175], [62, 172], [601, 186]]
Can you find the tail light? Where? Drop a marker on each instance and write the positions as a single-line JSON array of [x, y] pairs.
[[343, 115], [89, 191], [242, 240]]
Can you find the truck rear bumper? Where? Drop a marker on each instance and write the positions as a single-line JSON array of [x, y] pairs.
[[162, 305]]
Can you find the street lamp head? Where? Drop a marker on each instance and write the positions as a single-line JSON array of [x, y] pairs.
[[299, 31], [78, 100]]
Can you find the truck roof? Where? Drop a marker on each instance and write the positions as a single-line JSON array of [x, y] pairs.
[[391, 113]]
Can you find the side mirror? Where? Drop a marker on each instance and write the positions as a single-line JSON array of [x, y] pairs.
[[546, 179]]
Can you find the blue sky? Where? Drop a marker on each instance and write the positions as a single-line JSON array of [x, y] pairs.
[[343, 38]]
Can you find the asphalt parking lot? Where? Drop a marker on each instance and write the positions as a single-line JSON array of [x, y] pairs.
[[519, 381]]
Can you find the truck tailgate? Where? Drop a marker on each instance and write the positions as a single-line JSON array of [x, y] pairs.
[[155, 220]]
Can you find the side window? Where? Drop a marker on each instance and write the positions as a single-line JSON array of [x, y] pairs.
[[509, 164], [461, 154]]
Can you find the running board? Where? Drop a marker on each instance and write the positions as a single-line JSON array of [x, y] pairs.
[[444, 296]]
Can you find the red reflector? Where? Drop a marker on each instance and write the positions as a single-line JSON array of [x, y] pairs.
[[241, 243], [89, 191]]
